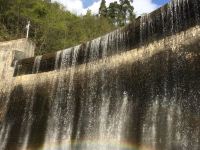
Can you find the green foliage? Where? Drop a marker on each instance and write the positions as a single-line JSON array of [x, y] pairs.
[[119, 14], [103, 9], [126, 12], [114, 13], [52, 27]]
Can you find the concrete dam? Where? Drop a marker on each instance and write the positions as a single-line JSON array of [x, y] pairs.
[[136, 88]]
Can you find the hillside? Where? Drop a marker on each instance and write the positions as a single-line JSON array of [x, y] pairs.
[[52, 26]]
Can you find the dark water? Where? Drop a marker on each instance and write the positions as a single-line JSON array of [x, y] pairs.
[[144, 99]]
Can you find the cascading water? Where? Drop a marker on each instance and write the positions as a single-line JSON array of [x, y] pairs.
[[103, 95], [36, 65], [28, 116]]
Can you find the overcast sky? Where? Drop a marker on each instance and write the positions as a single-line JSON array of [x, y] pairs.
[[81, 6]]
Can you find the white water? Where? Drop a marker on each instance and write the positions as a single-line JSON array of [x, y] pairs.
[[104, 104], [36, 65]]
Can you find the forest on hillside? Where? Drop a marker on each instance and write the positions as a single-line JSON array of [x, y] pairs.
[[54, 28]]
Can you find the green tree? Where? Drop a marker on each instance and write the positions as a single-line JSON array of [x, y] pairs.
[[122, 13], [127, 14], [114, 12], [52, 27], [103, 9]]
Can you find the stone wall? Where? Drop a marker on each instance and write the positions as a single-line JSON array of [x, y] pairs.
[[10, 52]]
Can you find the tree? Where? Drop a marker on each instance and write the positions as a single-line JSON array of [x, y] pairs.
[[103, 9], [52, 26], [89, 12], [122, 13], [127, 14], [114, 12]]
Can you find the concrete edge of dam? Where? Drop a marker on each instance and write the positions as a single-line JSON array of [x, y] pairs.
[[163, 22]]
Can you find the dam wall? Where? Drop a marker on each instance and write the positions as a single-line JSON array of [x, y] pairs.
[[12, 51], [137, 88], [163, 22]]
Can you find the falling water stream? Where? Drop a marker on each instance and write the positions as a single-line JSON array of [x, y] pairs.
[[104, 96]]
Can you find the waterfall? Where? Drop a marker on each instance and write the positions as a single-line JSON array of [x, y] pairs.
[[36, 65], [107, 94]]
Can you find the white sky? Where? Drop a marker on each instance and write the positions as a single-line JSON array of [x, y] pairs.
[[76, 6]]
